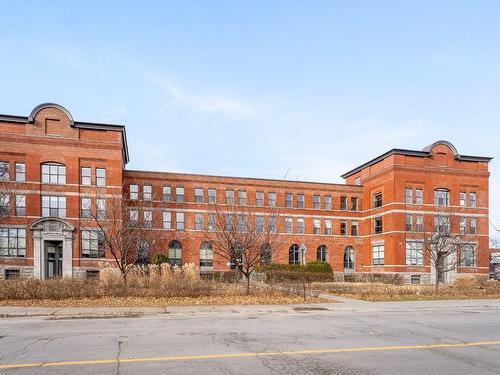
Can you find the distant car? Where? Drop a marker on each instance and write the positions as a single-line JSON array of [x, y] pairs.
[[495, 275]]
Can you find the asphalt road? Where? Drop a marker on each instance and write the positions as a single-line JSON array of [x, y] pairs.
[[404, 338]]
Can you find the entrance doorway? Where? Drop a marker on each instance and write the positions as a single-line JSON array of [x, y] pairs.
[[53, 259]]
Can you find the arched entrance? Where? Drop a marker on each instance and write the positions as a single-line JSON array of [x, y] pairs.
[[52, 248]]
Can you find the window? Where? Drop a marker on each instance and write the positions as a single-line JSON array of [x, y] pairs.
[[142, 250], [328, 202], [415, 279], [242, 223], [100, 176], [92, 244], [229, 222], [211, 221], [288, 200], [322, 253], [414, 253], [294, 254], [300, 225], [20, 172], [206, 255], [463, 225], [377, 200], [271, 198], [134, 192], [147, 192], [316, 226], [266, 254], [179, 220], [468, 256], [377, 225], [463, 198], [198, 221], [473, 225], [259, 224], [92, 274], [343, 203], [198, 195], [408, 196], [212, 196], [348, 259], [272, 224], [354, 203], [441, 197], [85, 203], [409, 222], [316, 202], [4, 171], [357, 181], [86, 176], [20, 204], [442, 224], [472, 200], [179, 195], [148, 218], [259, 198], [4, 204], [12, 242], [11, 273], [419, 196], [328, 227], [134, 217], [419, 223], [300, 200], [242, 198], [100, 204], [175, 253], [378, 255], [288, 225], [53, 173], [343, 228], [230, 197], [354, 228], [167, 194], [167, 220], [53, 206]]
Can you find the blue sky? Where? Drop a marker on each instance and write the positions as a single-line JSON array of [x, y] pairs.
[[258, 88]]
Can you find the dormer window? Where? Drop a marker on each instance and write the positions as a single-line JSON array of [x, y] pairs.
[[53, 173]]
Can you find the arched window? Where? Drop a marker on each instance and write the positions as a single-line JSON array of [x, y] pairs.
[[266, 254], [322, 254], [53, 173], [175, 253], [206, 255], [349, 259], [294, 254]]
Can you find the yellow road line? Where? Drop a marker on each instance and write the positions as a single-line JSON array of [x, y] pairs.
[[242, 355]]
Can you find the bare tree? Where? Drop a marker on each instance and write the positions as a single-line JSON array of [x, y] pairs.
[[245, 237], [9, 195], [445, 241]]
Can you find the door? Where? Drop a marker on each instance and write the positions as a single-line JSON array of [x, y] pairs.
[[53, 256]]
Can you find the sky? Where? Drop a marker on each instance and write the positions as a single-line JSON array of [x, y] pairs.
[[259, 88]]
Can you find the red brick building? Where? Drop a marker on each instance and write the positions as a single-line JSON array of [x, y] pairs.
[[365, 225]]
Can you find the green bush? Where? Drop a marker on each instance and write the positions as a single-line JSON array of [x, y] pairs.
[[159, 259], [312, 267], [319, 267]]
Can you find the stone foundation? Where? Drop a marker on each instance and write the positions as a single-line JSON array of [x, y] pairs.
[[24, 271]]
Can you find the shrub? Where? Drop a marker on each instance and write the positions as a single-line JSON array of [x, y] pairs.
[[318, 267]]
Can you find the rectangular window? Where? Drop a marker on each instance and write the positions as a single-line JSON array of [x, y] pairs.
[[463, 225], [377, 200], [409, 196], [378, 255], [212, 196], [86, 176], [211, 221], [148, 218], [85, 203], [271, 198], [230, 197], [328, 227], [198, 195], [316, 202], [473, 226], [100, 177], [288, 200], [92, 244], [179, 195], [343, 203], [354, 228], [53, 206], [343, 228], [300, 225], [134, 192], [472, 200], [20, 172], [377, 225], [53, 174], [179, 220], [20, 204], [409, 222], [4, 171], [419, 196], [242, 223], [259, 224], [468, 256], [414, 253], [4, 204], [441, 197], [328, 202], [259, 198], [463, 198], [300, 200], [242, 197], [134, 217], [272, 224], [12, 242], [206, 255], [288, 225], [316, 226], [100, 205], [354, 203], [357, 181], [198, 221], [167, 194], [415, 279], [167, 220], [11, 273], [229, 222], [419, 223], [147, 192], [441, 224]]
